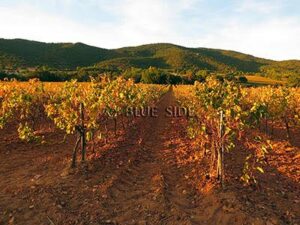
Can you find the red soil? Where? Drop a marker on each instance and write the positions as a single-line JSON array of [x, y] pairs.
[[150, 174]]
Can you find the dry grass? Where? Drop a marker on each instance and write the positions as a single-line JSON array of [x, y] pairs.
[[263, 80]]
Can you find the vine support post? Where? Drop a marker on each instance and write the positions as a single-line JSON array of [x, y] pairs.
[[115, 125], [220, 166], [266, 124], [73, 164], [272, 126], [287, 127], [81, 137], [83, 131], [106, 133]]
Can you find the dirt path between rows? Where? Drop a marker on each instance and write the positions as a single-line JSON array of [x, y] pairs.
[[150, 190], [156, 188]]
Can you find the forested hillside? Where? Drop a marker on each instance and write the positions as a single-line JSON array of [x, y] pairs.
[[23, 53], [19, 55]]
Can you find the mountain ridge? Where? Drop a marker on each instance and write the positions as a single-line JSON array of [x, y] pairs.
[[22, 53]]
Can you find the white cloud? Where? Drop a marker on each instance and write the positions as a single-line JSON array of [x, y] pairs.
[[143, 22], [149, 21], [27, 22], [275, 39], [261, 6]]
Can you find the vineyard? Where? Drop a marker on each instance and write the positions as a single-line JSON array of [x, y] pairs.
[[71, 153]]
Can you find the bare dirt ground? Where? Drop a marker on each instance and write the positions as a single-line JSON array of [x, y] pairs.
[[149, 174]]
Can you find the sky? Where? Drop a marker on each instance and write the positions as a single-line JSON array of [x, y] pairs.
[[264, 28]]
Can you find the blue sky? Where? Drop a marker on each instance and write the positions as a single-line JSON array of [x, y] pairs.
[[265, 28]]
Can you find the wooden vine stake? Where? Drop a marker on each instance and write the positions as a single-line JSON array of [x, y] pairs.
[[220, 163], [81, 131], [287, 127]]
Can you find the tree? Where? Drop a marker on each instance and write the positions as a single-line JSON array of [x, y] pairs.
[[243, 79], [133, 73], [44, 75], [230, 77], [154, 76], [171, 79], [294, 81]]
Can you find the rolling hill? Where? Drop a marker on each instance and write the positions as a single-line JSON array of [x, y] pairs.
[[178, 57], [23, 53], [19, 53]]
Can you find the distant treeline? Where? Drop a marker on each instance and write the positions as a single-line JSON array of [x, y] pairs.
[[152, 75]]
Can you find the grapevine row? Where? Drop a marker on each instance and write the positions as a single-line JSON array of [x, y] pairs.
[[82, 108], [225, 113]]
